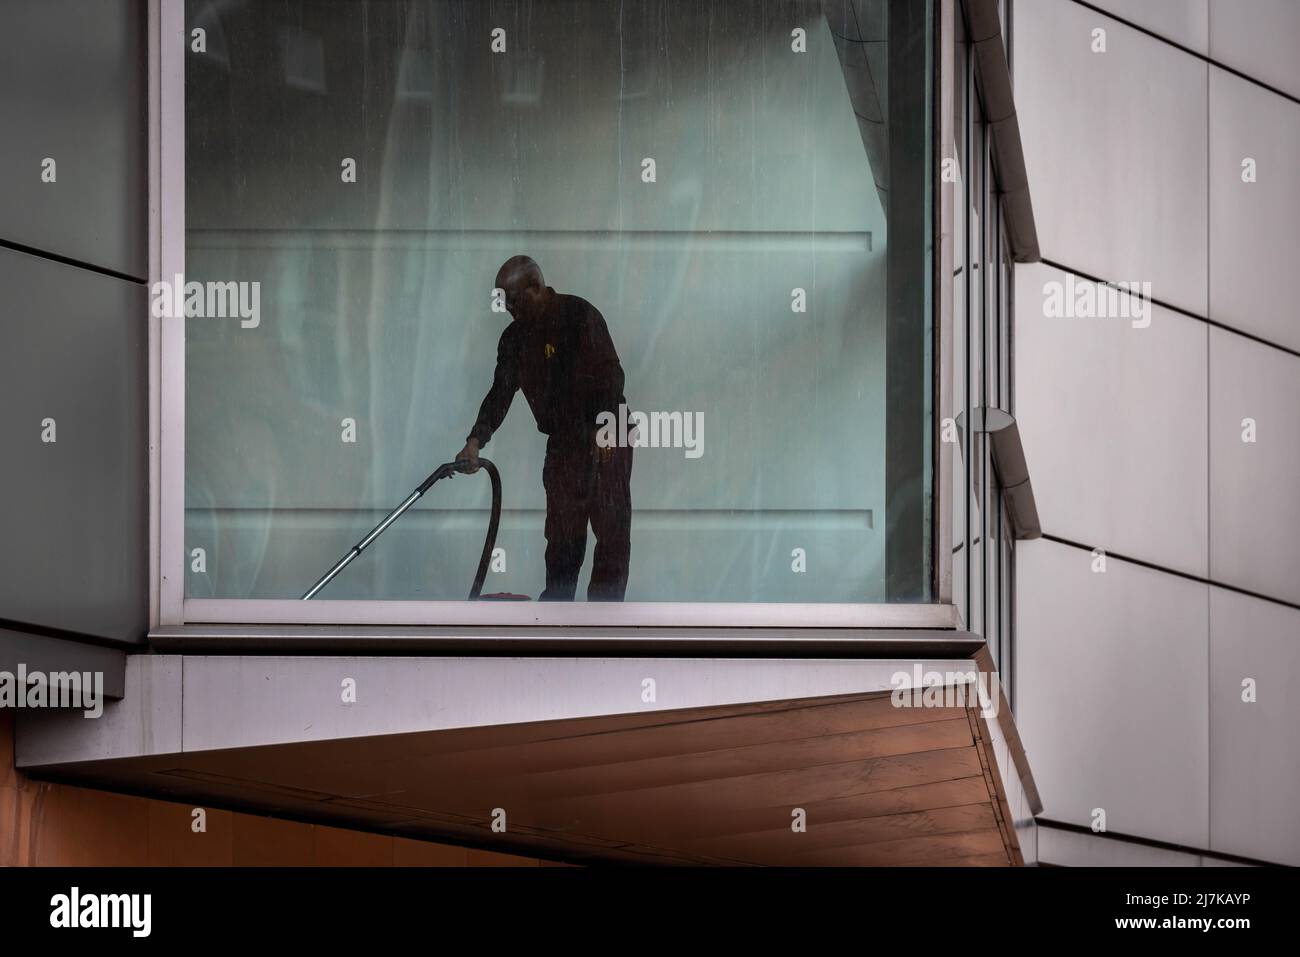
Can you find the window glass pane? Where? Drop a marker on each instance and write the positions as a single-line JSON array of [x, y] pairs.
[[961, 476], [1008, 287], [728, 206], [976, 169]]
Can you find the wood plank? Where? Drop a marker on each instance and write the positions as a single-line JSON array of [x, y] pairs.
[[781, 845], [712, 733], [720, 820], [940, 849], [747, 760], [790, 788], [370, 766], [174, 843]]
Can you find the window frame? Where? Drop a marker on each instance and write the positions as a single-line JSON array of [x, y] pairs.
[[170, 607], [983, 537]]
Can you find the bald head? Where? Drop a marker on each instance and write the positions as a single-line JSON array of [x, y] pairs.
[[519, 270], [520, 278]]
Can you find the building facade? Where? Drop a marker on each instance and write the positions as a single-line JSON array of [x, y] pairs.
[[1163, 440], [252, 248]]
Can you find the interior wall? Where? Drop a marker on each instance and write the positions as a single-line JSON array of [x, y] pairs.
[[376, 295]]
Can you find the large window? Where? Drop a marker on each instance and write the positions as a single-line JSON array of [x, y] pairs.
[[737, 195]]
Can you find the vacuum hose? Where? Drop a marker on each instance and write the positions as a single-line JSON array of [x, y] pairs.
[[490, 542], [437, 475]]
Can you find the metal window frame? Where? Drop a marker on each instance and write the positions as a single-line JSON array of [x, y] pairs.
[[169, 607], [944, 193], [995, 476], [166, 24]]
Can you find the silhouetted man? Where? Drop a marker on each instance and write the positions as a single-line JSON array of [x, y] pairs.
[[559, 352]]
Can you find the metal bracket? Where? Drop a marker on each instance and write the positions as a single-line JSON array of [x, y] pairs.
[[1009, 464]]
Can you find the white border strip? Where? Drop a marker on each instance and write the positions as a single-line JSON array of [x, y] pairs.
[[155, 272], [587, 614], [944, 78], [170, 402]]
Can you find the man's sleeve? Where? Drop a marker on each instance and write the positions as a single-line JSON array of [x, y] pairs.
[[505, 380], [600, 373]]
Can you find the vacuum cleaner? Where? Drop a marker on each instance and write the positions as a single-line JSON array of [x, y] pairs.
[[438, 474]]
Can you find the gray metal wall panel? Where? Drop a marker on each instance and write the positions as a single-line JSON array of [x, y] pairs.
[[1185, 22], [1111, 676], [1112, 416], [47, 654], [1255, 226], [73, 79], [1063, 848], [1254, 515], [148, 720], [1115, 148], [1259, 39], [1254, 750], [76, 514]]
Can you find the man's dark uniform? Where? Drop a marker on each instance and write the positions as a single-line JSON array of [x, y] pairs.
[[566, 365]]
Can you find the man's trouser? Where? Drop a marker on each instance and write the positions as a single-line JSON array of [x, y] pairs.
[[580, 490]]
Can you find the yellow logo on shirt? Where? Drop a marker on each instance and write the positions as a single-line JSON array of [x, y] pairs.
[[549, 350]]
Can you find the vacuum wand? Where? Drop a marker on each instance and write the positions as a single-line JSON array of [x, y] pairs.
[[441, 472]]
